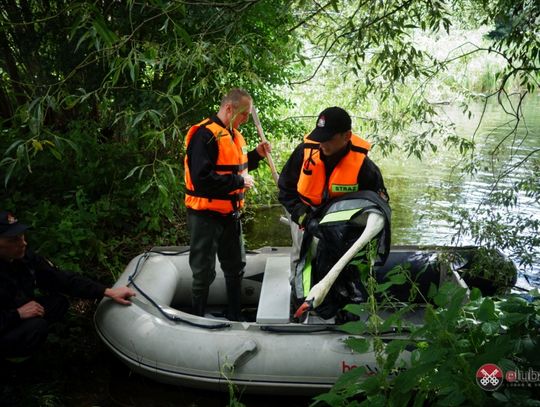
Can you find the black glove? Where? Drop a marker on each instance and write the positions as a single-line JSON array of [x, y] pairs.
[[312, 226], [301, 215]]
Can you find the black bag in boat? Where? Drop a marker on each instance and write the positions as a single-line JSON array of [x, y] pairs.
[[331, 231]]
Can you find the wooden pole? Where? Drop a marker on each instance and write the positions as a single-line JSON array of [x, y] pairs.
[[264, 140]]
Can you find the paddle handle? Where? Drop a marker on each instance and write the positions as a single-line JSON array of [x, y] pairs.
[[264, 140]]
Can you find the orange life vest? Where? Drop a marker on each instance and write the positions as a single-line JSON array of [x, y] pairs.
[[232, 159], [314, 188]]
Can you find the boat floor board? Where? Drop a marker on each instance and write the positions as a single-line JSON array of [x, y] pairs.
[[274, 302]]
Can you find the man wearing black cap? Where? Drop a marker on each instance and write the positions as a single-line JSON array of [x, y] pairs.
[[331, 162], [24, 316]]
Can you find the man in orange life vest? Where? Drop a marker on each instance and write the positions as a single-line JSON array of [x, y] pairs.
[[216, 166], [331, 162]]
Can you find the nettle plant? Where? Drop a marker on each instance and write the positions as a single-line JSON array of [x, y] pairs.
[[435, 362]]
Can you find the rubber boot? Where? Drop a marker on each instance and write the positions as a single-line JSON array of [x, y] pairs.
[[234, 293], [198, 303]]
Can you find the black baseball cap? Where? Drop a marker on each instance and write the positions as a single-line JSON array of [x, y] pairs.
[[9, 225], [331, 121]]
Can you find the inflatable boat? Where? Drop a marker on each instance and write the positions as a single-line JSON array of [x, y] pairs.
[[268, 353]]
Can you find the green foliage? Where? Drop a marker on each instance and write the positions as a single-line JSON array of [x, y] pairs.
[[437, 363], [488, 264], [398, 65], [514, 35], [95, 99], [227, 370], [509, 228], [133, 76]]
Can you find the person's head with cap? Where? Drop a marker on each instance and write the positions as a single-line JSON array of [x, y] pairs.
[[332, 130], [12, 242]]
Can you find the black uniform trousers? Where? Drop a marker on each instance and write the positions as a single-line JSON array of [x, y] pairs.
[[29, 334], [210, 235]]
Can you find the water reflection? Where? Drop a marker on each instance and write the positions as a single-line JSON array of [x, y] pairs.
[[423, 191]]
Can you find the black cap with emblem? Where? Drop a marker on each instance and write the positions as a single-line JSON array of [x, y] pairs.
[[331, 121], [9, 225]]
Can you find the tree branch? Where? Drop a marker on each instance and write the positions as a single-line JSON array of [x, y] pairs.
[[338, 37], [302, 22]]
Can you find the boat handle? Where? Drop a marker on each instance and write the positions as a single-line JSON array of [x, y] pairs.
[[237, 356]]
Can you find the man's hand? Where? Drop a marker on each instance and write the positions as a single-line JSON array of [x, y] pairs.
[[249, 182], [301, 214], [120, 294], [30, 310], [264, 148]]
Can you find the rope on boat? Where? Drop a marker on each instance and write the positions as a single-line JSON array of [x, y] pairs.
[[170, 317], [522, 289], [324, 328]]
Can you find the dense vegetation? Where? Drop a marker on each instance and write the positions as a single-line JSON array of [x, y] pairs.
[[435, 363], [96, 96], [95, 101]]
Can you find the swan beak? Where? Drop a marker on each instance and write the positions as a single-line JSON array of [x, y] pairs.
[[305, 307]]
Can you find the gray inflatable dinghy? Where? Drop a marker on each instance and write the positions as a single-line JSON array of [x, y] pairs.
[[157, 336]]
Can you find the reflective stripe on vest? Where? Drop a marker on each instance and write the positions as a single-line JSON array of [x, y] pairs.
[[232, 159], [343, 179]]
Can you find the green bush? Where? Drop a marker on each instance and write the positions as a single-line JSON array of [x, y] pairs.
[[435, 363]]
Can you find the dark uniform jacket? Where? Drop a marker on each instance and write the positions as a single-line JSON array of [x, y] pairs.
[[369, 178], [19, 280]]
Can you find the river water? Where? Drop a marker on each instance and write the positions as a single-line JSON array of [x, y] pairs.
[[424, 191]]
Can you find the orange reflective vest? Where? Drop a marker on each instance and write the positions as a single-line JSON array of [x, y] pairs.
[[232, 159], [314, 188]]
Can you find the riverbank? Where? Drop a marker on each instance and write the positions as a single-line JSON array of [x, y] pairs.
[[75, 369]]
